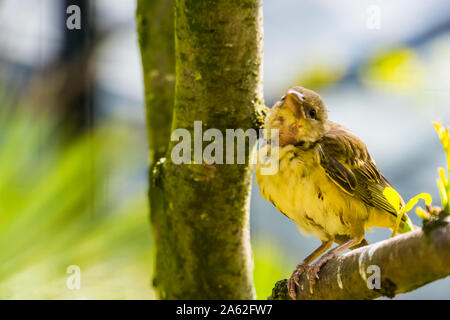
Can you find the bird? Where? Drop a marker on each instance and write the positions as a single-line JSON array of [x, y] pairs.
[[326, 181]]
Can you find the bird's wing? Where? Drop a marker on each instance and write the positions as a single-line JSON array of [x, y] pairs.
[[346, 161]]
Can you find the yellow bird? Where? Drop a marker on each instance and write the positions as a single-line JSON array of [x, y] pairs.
[[326, 182]]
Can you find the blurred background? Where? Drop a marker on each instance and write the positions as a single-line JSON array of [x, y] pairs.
[[73, 152]]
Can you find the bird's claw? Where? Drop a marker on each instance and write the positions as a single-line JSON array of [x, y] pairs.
[[312, 274], [293, 281]]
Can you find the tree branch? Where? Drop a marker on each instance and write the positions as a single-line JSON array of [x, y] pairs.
[[406, 262]]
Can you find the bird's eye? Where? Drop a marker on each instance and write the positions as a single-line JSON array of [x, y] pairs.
[[312, 113], [283, 98]]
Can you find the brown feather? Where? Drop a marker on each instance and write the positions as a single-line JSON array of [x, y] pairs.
[[347, 162]]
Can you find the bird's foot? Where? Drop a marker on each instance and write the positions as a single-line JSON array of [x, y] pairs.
[[293, 281], [313, 271]]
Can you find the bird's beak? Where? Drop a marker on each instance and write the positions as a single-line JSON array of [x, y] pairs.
[[294, 101], [299, 96]]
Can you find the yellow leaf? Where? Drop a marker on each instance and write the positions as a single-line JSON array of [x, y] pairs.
[[422, 213], [408, 207], [443, 133], [413, 202], [393, 197], [442, 192], [397, 69], [397, 223], [443, 176]]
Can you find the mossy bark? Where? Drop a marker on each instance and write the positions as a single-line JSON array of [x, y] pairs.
[[200, 213], [155, 22]]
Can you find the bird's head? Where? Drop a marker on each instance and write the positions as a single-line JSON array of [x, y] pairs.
[[300, 116]]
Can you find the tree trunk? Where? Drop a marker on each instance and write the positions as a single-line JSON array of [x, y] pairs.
[[199, 212]]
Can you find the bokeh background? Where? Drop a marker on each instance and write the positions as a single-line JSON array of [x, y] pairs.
[[73, 152]]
